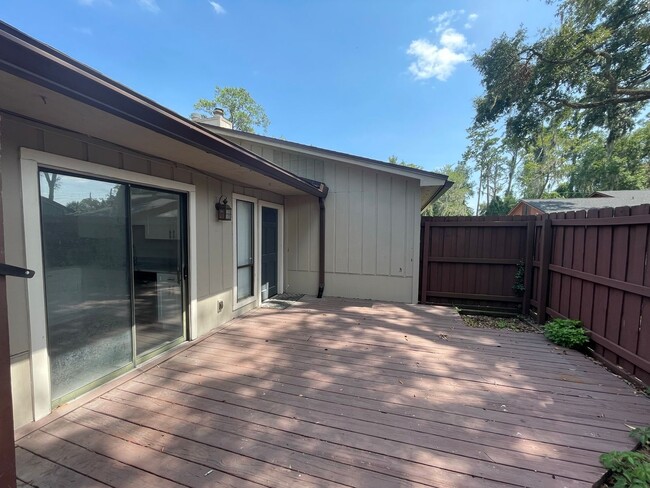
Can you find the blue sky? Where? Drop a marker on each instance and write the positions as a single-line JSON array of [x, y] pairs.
[[368, 77]]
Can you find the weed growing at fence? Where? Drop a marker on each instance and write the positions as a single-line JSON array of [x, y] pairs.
[[518, 288], [630, 469], [566, 333], [641, 434]]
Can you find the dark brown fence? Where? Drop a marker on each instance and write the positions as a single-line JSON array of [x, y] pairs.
[[590, 266], [473, 261], [593, 266]]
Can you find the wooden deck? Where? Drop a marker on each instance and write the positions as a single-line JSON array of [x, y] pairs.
[[341, 392]]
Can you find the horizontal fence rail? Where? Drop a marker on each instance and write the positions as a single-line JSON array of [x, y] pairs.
[[591, 266]]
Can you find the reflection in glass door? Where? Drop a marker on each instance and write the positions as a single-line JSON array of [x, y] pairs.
[[157, 267], [87, 282], [114, 271], [245, 247]]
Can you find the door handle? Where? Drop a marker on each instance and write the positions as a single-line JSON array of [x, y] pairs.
[[8, 270]]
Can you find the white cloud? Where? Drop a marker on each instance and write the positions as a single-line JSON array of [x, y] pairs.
[[150, 5], [471, 18], [438, 59], [445, 19], [218, 8]]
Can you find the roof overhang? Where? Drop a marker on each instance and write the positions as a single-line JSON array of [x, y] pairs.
[[426, 178], [45, 85], [429, 194]]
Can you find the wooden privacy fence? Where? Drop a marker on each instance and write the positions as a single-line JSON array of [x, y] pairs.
[[588, 265], [473, 261]]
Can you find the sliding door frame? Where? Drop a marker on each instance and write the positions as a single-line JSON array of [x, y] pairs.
[[31, 162], [254, 298]]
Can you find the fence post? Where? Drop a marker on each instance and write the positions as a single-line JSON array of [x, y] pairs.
[[545, 260], [424, 260], [528, 267]]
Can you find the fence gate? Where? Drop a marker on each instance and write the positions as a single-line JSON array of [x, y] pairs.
[[476, 262]]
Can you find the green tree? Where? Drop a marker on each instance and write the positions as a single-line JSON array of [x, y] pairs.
[[395, 160], [92, 204], [454, 201], [545, 163], [239, 107], [626, 166], [595, 62], [499, 206], [485, 152]]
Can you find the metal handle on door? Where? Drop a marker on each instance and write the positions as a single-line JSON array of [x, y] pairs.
[[8, 270]]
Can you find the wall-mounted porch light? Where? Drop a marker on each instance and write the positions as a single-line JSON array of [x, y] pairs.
[[224, 211]]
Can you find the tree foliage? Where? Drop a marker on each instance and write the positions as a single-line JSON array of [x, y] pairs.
[[455, 200], [395, 160], [595, 62], [626, 166], [484, 151], [561, 116], [93, 204], [239, 107], [499, 206]]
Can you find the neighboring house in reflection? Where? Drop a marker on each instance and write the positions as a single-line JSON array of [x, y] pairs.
[[599, 199]]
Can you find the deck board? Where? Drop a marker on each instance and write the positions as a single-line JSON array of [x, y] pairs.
[[338, 392]]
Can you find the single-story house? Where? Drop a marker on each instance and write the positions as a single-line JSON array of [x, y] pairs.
[[599, 199], [146, 229]]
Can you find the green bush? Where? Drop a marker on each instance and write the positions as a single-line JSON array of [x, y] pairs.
[[566, 333], [629, 469], [642, 435]]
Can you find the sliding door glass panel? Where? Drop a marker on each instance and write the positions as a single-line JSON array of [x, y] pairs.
[[157, 267], [87, 286], [244, 216]]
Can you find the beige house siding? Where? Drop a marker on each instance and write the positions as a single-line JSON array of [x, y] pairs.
[[371, 229], [214, 239]]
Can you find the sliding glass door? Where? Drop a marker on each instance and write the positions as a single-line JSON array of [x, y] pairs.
[[157, 267], [114, 277], [87, 281]]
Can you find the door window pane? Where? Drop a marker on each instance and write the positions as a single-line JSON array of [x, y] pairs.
[[87, 287], [245, 249]]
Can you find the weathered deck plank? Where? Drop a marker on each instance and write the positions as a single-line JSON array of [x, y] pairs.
[[345, 393]]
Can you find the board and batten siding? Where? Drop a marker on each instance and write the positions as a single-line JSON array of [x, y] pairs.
[[372, 226], [214, 240]]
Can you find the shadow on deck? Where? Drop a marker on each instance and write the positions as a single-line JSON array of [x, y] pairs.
[[343, 392]]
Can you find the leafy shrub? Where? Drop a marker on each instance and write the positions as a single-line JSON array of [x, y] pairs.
[[629, 469], [501, 324], [566, 333], [641, 434], [520, 275]]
